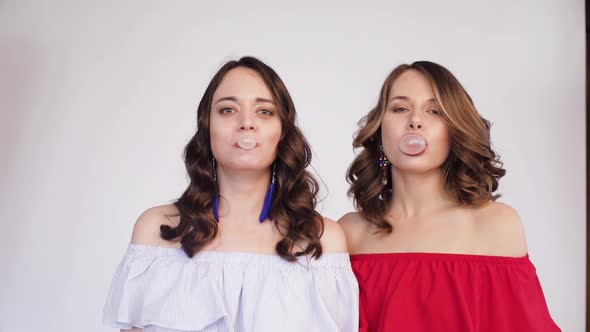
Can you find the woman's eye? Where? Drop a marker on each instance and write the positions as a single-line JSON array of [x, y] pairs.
[[226, 110], [399, 110], [435, 112], [265, 112]]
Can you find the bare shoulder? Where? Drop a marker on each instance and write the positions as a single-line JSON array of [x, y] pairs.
[[351, 221], [354, 226], [501, 228], [147, 227], [333, 239]]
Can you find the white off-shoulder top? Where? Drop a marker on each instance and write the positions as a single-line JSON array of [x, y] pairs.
[[161, 289]]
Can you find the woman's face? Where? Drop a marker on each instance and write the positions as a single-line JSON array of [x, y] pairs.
[[412, 109], [243, 106]]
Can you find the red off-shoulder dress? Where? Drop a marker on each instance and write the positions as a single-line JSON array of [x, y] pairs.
[[430, 292]]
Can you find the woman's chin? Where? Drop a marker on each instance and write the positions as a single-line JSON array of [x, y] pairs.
[[416, 166], [247, 166]]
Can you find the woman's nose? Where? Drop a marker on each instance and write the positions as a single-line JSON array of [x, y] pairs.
[[246, 122]]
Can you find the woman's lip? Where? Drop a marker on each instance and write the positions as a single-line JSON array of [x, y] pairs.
[[236, 145], [417, 154], [420, 153]]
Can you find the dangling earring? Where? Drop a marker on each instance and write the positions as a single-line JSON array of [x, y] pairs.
[[265, 213], [383, 163], [216, 198]]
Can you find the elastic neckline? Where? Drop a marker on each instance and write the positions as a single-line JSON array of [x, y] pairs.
[[432, 256], [236, 257]]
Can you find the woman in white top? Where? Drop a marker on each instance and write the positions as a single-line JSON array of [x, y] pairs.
[[243, 248]]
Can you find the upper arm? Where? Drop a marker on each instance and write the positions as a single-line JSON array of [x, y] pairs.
[[147, 227], [503, 230], [333, 239]]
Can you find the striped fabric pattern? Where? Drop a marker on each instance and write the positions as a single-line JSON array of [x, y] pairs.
[[160, 289]]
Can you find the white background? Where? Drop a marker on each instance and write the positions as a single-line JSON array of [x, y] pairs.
[[98, 99]]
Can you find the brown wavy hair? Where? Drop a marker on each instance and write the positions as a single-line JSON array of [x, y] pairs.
[[471, 171], [295, 197]]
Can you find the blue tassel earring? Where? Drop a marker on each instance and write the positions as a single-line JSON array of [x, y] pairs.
[[265, 213]]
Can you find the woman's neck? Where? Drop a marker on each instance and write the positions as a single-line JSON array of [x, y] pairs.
[[417, 194], [241, 194]]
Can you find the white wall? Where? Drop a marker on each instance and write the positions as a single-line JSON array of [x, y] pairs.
[[98, 99]]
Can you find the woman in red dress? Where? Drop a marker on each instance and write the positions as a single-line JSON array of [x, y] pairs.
[[431, 248]]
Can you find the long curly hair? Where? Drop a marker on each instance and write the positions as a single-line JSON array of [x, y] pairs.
[[471, 171], [295, 197]]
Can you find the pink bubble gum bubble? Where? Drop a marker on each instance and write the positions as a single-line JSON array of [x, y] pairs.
[[247, 142], [412, 144]]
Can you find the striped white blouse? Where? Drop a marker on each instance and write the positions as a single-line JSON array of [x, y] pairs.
[[161, 289]]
